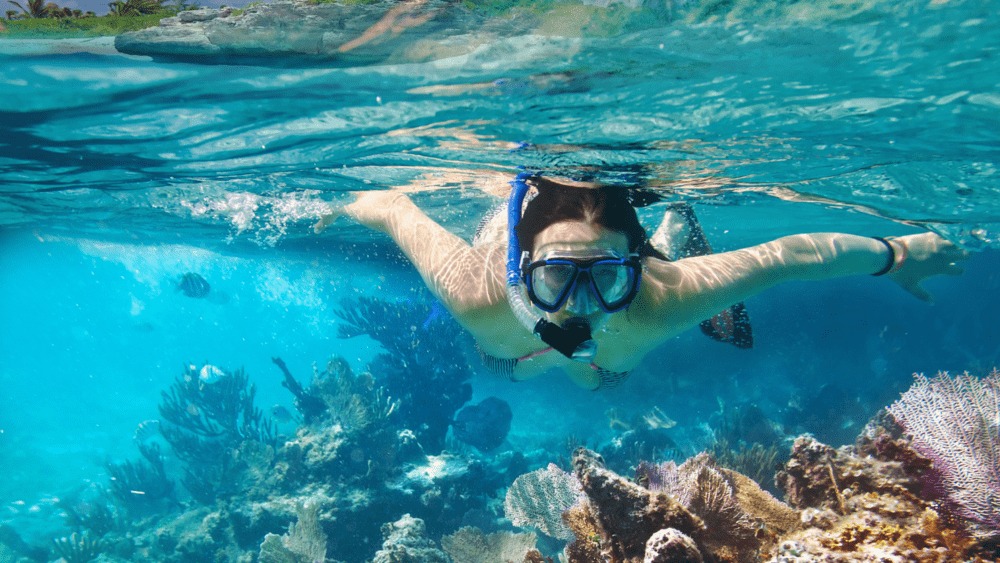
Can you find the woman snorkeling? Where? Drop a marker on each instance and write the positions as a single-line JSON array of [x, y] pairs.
[[575, 282]]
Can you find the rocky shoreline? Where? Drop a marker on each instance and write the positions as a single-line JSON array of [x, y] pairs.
[[286, 31]]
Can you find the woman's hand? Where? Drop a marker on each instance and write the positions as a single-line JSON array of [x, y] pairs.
[[371, 209], [927, 255]]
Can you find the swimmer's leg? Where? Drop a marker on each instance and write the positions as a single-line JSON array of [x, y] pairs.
[[681, 236]]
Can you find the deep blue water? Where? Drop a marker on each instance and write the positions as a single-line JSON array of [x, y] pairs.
[[120, 174]]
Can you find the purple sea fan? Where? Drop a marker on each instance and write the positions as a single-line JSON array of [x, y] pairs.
[[955, 423]]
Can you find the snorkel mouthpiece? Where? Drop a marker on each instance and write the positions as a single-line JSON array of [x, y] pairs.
[[572, 340]]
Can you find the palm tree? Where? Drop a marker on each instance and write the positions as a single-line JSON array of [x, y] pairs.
[[11, 14], [36, 8], [135, 7]]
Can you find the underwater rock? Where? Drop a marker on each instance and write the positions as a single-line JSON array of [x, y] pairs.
[[353, 33], [861, 508], [484, 426], [406, 541], [819, 476], [671, 546], [628, 514]]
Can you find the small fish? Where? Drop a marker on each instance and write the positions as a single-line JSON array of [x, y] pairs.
[[280, 414], [193, 285], [485, 425], [210, 374], [147, 430]]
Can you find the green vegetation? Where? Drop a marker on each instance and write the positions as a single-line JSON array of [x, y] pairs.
[[92, 26], [41, 19], [344, 2]]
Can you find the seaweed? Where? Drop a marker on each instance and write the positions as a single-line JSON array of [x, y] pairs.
[[423, 365]]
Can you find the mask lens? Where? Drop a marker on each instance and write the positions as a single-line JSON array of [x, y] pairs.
[[612, 282], [551, 281]]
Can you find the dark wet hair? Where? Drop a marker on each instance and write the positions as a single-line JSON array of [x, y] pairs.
[[607, 206]]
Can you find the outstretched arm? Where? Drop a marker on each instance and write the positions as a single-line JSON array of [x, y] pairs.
[[690, 290], [454, 271]]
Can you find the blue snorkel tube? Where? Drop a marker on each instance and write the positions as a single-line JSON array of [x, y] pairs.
[[573, 340]]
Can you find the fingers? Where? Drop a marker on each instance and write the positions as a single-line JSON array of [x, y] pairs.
[[325, 220]]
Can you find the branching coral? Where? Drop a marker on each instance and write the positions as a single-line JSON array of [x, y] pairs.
[[423, 364], [221, 411], [756, 461], [208, 421], [141, 487], [311, 406], [96, 516], [78, 548]]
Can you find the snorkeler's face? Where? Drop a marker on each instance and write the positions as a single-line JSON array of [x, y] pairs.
[[578, 240]]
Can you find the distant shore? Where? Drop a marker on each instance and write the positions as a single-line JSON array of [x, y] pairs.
[[104, 45]]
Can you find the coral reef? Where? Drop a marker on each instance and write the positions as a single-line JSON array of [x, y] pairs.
[[857, 507], [78, 548], [470, 545], [97, 516], [306, 402], [305, 541], [953, 422], [423, 363], [738, 515], [538, 499], [142, 488], [857, 503], [207, 416], [356, 484], [406, 541]]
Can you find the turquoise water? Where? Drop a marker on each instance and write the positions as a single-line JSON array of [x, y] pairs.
[[120, 174]]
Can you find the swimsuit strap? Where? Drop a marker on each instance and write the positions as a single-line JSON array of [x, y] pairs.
[[533, 354], [503, 368]]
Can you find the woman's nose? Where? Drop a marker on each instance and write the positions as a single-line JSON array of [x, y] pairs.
[[580, 301]]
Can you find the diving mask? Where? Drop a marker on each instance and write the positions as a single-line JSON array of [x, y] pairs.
[[612, 280]]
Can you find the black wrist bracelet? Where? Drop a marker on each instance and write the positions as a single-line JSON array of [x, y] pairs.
[[892, 257]]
